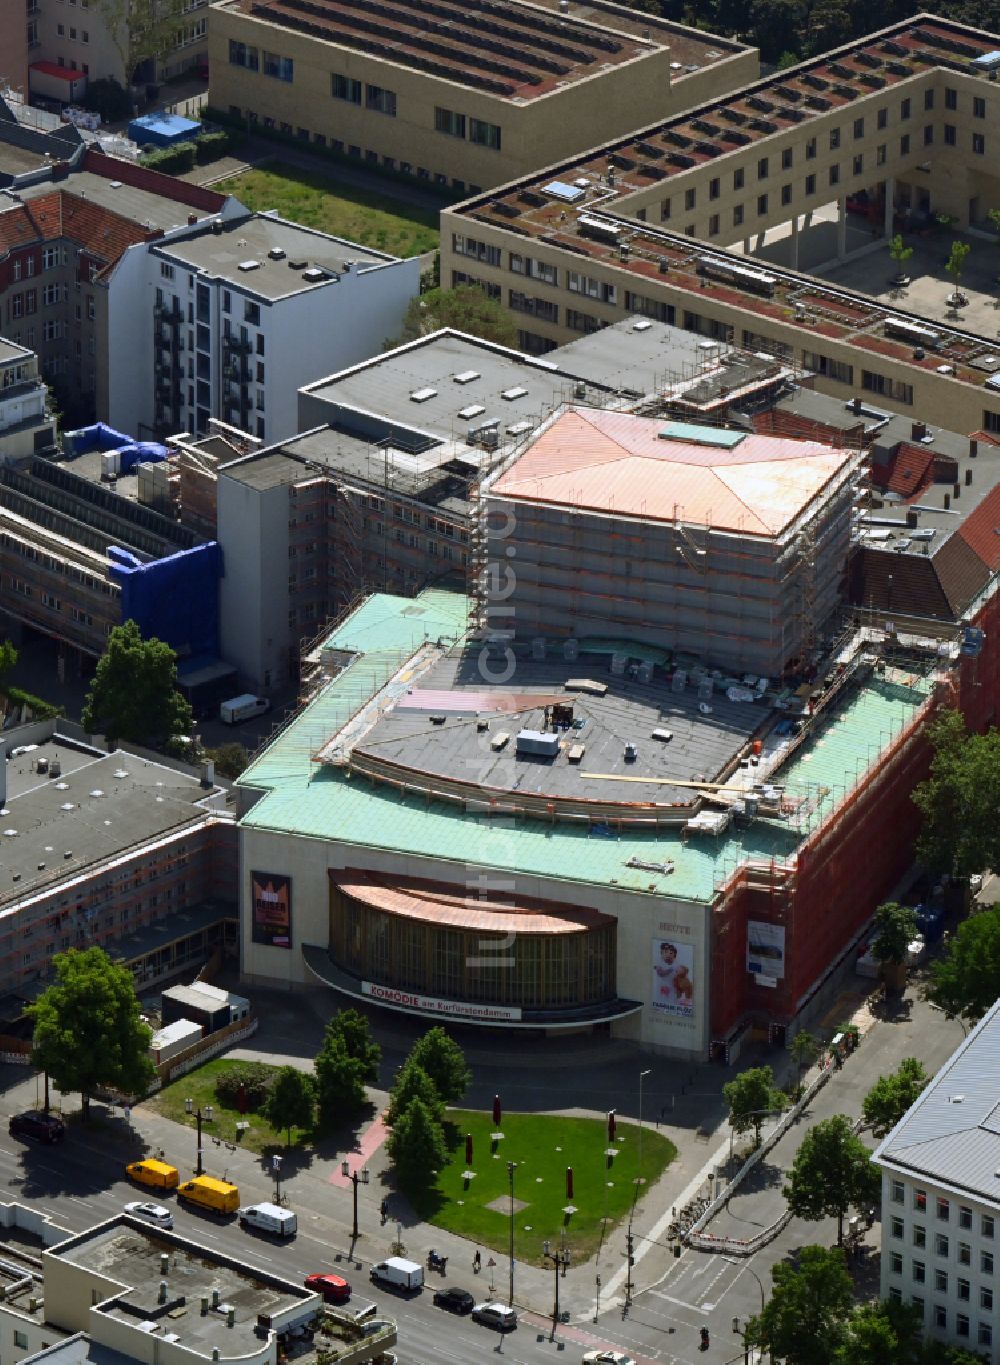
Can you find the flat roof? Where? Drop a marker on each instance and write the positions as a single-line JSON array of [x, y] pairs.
[[617, 464], [98, 808], [220, 255], [9, 350], [145, 207], [950, 1136], [519, 53], [303, 798]]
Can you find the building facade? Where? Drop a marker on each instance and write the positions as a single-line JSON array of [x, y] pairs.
[[26, 425], [490, 99]]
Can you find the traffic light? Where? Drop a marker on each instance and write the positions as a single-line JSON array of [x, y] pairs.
[[630, 1240]]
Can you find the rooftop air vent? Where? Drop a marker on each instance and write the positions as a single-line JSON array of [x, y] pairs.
[[247, 266], [466, 376], [519, 391], [473, 410], [422, 395], [277, 253], [295, 264], [315, 274]]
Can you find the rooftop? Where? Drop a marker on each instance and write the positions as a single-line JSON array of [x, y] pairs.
[[99, 807], [951, 1135], [270, 258], [620, 465], [517, 53], [816, 769], [10, 351]]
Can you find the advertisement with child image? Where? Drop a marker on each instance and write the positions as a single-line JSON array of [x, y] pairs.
[[673, 979]]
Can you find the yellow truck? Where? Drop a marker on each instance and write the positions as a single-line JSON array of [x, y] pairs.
[[156, 1174], [208, 1193]]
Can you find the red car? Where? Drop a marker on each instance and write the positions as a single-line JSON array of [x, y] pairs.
[[334, 1288]]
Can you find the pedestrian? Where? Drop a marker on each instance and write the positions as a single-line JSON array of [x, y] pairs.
[[384, 1210], [477, 1262]]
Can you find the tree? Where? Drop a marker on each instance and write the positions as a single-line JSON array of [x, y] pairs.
[[891, 1096], [896, 927], [356, 1032], [416, 1146], [88, 1033], [230, 760], [900, 253], [466, 308], [413, 1082], [291, 1102], [134, 693], [959, 799], [444, 1061], [8, 658], [955, 264], [140, 31], [966, 980], [751, 1096], [805, 1050], [803, 1322], [340, 1082], [882, 1333], [831, 1173]]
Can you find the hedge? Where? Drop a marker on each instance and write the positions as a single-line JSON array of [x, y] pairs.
[[40, 709], [180, 157]]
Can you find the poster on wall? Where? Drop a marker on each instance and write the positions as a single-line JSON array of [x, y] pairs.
[[765, 949], [272, 909], [673, 978]]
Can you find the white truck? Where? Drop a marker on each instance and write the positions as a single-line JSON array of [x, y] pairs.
[[243, 707], [398, 1274], [270, 1218]]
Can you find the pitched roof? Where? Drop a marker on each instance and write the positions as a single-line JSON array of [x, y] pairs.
[[621, 465], [100, 232], [981, 529], [908, 470]]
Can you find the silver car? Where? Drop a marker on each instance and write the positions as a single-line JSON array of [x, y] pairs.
[[150, 1213]]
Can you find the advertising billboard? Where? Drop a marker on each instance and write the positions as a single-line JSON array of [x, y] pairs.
[[271, 894], [765, 949], [673, 983]]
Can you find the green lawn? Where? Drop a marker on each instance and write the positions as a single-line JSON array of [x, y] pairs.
[[542, 1146], [199, 1086], [320, 201]]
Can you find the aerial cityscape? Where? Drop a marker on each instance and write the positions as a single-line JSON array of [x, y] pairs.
[[499, 676]]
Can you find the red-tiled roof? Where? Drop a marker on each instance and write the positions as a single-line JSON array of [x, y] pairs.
[[104, 235], [979, 530], [38, 221], [908, 471]]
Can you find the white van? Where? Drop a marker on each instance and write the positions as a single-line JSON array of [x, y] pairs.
[[243, 707], [398, 1273], [269, 1218]]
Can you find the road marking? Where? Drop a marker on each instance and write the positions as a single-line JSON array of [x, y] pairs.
[[680, 1303]]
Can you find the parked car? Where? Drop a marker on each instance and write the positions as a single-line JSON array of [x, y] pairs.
[[334, 1288], [607, 1358], [150, 1213], [37, 1126], [496, 1315], [454, 1300]]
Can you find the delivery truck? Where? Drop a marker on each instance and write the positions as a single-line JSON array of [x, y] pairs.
[[269, 1218], [398, 1274], [218, 1196], [157, 1175], [243, 707]]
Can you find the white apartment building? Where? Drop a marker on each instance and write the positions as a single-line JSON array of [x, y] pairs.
[[941, 1198], [26, 426], [229, 318]]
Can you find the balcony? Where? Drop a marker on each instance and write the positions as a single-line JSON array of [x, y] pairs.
[[237, 345]]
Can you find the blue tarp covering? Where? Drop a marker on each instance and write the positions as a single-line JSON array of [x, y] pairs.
[[176, 598], [162, 130], [96, 437]]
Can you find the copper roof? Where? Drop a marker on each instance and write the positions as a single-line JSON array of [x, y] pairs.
[[621, 465]]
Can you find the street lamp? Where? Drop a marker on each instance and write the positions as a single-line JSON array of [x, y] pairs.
[[731, 1260], [276, 1169], [208, 1116], [354, 1177], [511, 1168], [642, 1077], [558, 1258]]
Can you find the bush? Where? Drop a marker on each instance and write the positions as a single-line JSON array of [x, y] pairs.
[[173, 160], [258, 1078], [109, 99], [210, 146], [40, 709], [230, 759]]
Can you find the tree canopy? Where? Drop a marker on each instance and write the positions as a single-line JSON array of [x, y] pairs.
[[831, 1173], [965, 980], [896, 927], [291, 1101], [413, 1082], [803, 1321], [140, 30], [444, 1061], [8, 658], [416, 1146], [356, 1031], [751, 1096], [959, 799], [88, 1033], [134, 692], [340, 1080], [891, 1096], [467, 308]]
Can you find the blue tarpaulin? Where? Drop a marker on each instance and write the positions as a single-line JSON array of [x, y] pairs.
[[175, 598]]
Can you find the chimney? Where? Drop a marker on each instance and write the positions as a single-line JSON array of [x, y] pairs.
[[973, 447], [231, 1318], [947, 501], [164, 1263], [856, 404], [912, 517], [957, 490], [918, 430], [192, 219], [162, 1296]]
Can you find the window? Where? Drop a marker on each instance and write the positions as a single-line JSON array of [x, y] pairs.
[[738, 215], [918, 1304], [479, 251], [761, 205], [738, 178], [714, 188], [484, 134], [810, 184], [690, 198], [344, 88], [986, 1225], [940, 1316], [880, 152], [986, 1298], [447, 121], [941, 1281], [964, 1290], [940, 1240], [786, 194], [978, 107], [834, 139], [835, 175], [281, 68], [380, 101], [985, 1334], [964, 1216], [895, 1263], [21, 1340], [986, 1262], [895, 1227], [950, 135], [579, 322], [943, 1210], [919, 1272], [84, 36], [843, 374], [51, 293], [904, 145], [928, 134], [51, 330], [858, 165], [859, 128], [664, 210], [961, 1325], [897, 1191], [650, 308], [61, 30], [929, 98], [950, 97], [904, 110], [895, 1294], [762, 168], [241, 54], [713, 225], [964, 1253], [979, 144], [811, 149], [50, 258], [920, 1200], [882, 118], [251, 313], [786, 159]]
